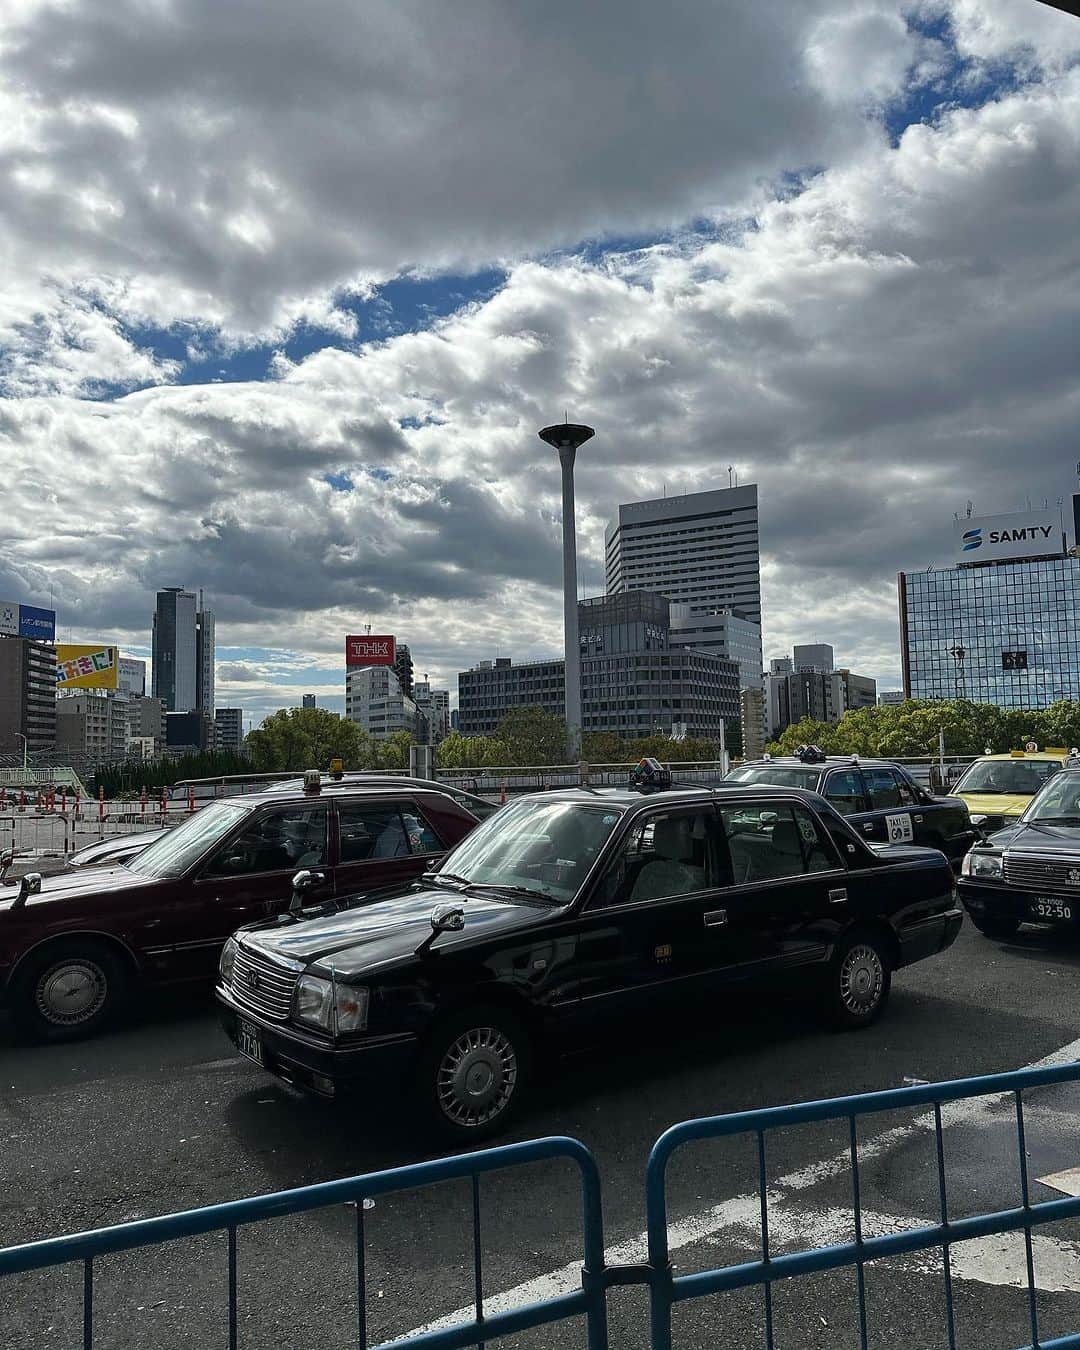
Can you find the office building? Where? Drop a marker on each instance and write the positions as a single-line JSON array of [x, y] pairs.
[[27, 695], [230, 728], [889, 698], [433, 708], [858, 691], [781, 665], [132, 677], [175, 667], [724, 633], [813, 656], [374, 700], [189, 732], [93, 725], [205, 657], [634, 681], [403, 669], [455, 721], [752, 707], [146, 721], [1002, 625], [309, 701]]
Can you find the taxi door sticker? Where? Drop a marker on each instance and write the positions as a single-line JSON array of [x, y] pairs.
[[899, 828]]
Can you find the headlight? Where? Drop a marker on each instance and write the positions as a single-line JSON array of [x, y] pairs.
[[314, 1000], [329, 1006], [228, 960], [979, 864]]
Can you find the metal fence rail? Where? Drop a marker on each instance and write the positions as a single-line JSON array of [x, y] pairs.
[[588, 1302], [667, 1289]]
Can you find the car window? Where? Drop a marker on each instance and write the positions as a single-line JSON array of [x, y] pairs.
[[844, 788], [178, 850], [779, 775], [1022, 776], [370, 831], [768, 843], [908, 796], [883, 788], [281, 840], [669, 854]]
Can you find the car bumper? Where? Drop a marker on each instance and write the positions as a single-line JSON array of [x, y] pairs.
[[930, 936], [313, 1065], [982, 899]]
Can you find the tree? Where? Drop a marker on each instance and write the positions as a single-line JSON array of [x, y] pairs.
[[471, 752], [533, 736], [604, 747], [309, 738]]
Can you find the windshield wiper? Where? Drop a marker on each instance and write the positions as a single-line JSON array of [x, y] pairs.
[[986, 792], [1054, 820], [515, 890], [438, 877]]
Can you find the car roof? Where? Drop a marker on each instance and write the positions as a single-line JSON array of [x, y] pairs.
[[676, 794], [1020, 755], [829, 762], [378, 789]]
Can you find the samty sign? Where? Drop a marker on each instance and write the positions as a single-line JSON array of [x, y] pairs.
[[372, 650], [81, 666]]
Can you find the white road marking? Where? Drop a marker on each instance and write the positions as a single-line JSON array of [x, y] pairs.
[[984, 1260], [1067, 1182]]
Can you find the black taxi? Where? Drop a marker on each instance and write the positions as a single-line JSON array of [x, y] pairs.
[[1029, 872], [880, 799], [570, 908]]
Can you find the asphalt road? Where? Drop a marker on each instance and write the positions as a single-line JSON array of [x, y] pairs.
[[162, 1115]]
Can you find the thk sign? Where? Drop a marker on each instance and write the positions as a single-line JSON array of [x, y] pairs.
[[373, 650]]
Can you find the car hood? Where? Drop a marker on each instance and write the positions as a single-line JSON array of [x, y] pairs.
[[76, 884], [1038, 838], [995, 803], [356, 940]]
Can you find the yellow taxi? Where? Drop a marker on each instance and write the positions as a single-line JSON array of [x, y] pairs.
[[999, 787]]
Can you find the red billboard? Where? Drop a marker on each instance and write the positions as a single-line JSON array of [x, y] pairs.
[[370, 650]]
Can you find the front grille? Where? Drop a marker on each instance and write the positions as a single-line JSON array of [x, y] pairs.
[[262, 986], [1041, 874]]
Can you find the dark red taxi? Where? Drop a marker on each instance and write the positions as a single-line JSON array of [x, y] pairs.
[[74, 947]]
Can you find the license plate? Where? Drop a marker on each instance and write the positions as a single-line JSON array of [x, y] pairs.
[[248, 1040], [1046, 908]]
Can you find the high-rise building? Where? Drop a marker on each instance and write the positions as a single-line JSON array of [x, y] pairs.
[[309, 701], [205, 653], [781, 665], [700, 550], [189, 732], [859, 691], [146, 721], [132, 677], [403, 669], [634, 680], [816, 656], [230, 728], [175, 664], [93, 725], [433, 707], [375, 701], [27, 695], [890, 698], [806, 685], [752, 706], [724, 633]]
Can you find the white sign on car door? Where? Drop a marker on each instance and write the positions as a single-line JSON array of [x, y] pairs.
[[899, 827]]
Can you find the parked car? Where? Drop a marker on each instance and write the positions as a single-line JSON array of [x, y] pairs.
[[572, 908], [114, 851], [73, 946], [998, 788], [880, 799], [1029, 872], [480, 807]]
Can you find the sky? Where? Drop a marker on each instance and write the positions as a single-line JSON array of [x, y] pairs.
[[288, 290]]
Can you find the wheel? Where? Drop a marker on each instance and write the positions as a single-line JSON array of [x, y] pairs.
[[69, 989], [1000, 927], [472, 1075], [859, 979]]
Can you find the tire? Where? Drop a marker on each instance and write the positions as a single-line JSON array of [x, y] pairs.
[[472, 1075], [1000, 927], [859, 980], [68, 990]]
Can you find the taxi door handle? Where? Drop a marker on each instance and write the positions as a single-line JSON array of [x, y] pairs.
[[917, 819], [716, 918], [869, 827], [837, 897]]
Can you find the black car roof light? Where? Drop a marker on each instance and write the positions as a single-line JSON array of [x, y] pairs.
[[811, 754], [649, 774]]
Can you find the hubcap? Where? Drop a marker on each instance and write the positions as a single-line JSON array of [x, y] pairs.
[[71, 992], [476, 1077], [862, 978]]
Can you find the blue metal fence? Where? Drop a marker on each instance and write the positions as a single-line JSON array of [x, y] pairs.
[[666, 1289]]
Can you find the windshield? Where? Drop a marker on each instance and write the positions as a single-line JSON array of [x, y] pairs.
[[544, 846], [1059, 800], [173, 854], [779, 775], [1021, 776]]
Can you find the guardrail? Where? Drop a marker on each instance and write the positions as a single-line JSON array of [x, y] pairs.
[[597, 1276]]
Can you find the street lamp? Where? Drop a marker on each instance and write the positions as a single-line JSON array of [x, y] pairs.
[[958, 653], [565, 437]]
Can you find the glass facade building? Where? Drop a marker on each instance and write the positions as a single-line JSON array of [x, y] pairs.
[[1005, 633]]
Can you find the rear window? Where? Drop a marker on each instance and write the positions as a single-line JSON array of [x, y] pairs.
[[779, 775]]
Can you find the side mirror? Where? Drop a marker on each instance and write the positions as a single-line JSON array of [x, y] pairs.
[[30, 885], [445, 918], [978, 821], [7, 857], [302, 883]]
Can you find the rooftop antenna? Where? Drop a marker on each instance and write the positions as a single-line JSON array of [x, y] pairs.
[[968, 509], [730, 471]]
